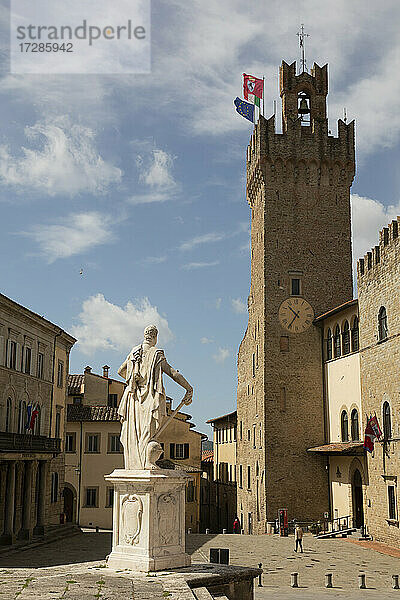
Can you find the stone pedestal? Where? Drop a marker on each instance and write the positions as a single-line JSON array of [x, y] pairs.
[[148, 520]]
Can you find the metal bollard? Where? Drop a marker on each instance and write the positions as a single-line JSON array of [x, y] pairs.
[[361, 581], [207, 532], [294, 580], [328, 580], [224, 530], [259, 577], [97, 529], [395, 582]]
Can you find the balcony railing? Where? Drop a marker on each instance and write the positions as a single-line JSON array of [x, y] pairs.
[[22, 442]]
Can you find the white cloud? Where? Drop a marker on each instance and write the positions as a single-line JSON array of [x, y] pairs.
[[206, 340], [238, 305], [106, 326], [155, 260], [159, 172], [82, 232], [221, 355], [369, 216], [202, 239], [62, 160], [199, 265], [218, 303], [155, 168]]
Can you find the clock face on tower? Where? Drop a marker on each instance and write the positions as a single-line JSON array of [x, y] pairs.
[[295, 315]]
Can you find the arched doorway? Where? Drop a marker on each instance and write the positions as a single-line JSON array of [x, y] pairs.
[[358, 505], [69, 504]]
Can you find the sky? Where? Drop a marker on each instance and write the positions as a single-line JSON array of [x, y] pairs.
[[122, 197]]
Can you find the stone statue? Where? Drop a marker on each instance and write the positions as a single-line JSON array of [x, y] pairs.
[[142, 408]]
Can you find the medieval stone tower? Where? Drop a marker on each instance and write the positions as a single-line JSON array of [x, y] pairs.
[[298, 189]]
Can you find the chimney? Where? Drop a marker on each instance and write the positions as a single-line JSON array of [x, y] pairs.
[[106, 368], [88, 369]]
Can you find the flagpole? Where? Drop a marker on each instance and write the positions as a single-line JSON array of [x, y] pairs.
[[263, 97]]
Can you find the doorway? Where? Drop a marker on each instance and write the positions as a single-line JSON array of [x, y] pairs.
[[68, 504], [358, 505]]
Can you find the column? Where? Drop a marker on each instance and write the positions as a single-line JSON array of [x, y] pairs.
[[9, 512], [41, 507], [27, 526]]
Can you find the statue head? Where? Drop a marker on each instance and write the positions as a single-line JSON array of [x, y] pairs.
[[150, 334]]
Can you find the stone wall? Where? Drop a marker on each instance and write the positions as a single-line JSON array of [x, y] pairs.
[[379, 286]]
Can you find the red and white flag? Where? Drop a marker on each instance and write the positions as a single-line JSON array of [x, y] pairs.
[[372, 432], [252, 85]]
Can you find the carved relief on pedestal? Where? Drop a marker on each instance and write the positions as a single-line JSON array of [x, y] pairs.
[[168, 519], [132, 513]]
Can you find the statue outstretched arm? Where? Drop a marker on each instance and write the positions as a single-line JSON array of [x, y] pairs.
[[180, 380]]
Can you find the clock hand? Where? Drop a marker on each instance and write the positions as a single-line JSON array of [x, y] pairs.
[[293, 311], [294, 318]]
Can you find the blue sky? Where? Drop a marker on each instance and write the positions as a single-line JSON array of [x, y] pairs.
[[138, 180]]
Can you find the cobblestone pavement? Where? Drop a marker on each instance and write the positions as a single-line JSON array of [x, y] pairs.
[[75, 568], [343, 559]]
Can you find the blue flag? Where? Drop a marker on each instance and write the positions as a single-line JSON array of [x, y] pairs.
[[28, 414], [245, 109]]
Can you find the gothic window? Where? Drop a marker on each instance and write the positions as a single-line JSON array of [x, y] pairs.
[[346, 338], [8, 415], [355, 430], [387, 421], [328, 343], [382, 324], [344, 422], [336, 342], [354, 336]]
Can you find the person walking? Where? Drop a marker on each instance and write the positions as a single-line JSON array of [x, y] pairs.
[[298, 536], [236, 525]]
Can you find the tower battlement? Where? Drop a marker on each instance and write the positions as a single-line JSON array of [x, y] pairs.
[[388, 236]]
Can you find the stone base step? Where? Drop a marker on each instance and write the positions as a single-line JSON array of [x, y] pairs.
[[335, 534], [52, 534]]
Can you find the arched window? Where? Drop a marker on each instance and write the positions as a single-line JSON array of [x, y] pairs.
[[355, 430], [382, 323], [387, 421], [303, 108], [346, 338], [8, 415], [344, 422], [22, 416], [328, 343], [336, 342], [354, 336]]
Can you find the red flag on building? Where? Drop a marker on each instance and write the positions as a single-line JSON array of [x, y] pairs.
[[372, 432], [252, 85], [35, 413]]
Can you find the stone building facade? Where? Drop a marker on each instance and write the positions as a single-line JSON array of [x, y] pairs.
[[379, 305], [298, 189], [34, 362], [343, 450]]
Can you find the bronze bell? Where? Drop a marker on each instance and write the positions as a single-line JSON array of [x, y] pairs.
[[303, 108]]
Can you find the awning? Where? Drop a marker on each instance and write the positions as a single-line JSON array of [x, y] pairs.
[[340, 448]]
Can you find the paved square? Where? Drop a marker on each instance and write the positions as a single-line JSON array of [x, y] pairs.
[[75, 568]]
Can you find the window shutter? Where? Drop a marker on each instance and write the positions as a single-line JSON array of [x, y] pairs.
[[172, 450], [186, 451], [8, 353]]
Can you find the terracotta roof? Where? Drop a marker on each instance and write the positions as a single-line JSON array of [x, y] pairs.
[[74, 384], [228, 417], [335, 310], [339, 448], [207, 456], [77, 412]]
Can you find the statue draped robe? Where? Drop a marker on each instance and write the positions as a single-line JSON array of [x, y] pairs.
[[142, 405]]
